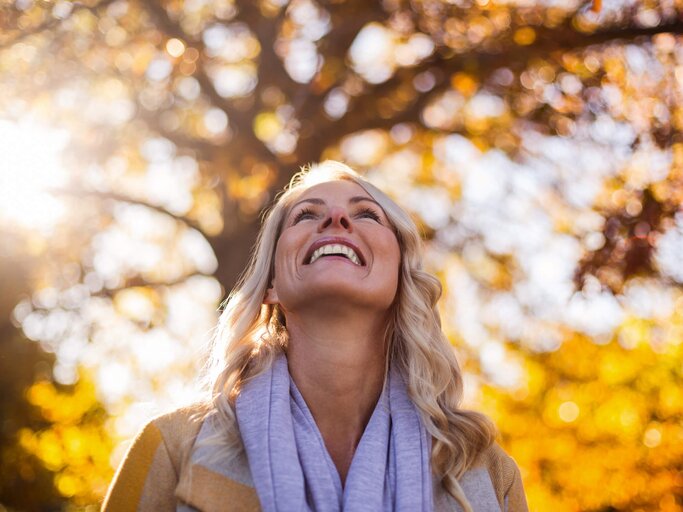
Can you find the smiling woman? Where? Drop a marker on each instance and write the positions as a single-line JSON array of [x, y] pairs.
[[30, 159], [332, 384]]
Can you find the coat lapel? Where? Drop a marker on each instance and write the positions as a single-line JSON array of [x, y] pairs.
[[214, 481], [208, 491]]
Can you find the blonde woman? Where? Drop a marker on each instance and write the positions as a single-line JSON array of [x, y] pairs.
[[333, 386]]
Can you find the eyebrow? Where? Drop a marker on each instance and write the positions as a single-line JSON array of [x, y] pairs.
[[353, 200]]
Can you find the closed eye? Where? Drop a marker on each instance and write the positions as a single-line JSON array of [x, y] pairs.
[[306, 213], [369, 213]]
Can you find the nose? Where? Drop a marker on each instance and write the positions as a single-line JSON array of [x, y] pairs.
[[336, 217]]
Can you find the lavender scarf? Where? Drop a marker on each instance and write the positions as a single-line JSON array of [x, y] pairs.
[[293, 471]]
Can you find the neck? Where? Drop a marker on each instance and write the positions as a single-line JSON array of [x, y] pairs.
[[338, 364]]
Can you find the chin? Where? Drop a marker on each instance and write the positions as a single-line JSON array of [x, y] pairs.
[[337, 296]]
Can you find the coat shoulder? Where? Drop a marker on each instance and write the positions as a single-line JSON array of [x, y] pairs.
[[179, 429], [147, 477]]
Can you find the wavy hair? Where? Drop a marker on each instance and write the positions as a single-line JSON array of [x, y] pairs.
[[250, 334]]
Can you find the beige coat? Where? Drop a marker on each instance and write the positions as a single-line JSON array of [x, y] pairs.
[[157, 475]]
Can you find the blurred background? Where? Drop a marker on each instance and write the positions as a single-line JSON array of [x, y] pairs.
[[537, 143]]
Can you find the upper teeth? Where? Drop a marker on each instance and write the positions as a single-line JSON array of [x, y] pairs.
[[335, 249]]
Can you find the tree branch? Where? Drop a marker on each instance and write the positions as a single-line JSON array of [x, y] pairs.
[[244, 137], [362, 113], [347, 21], [152, 120], [565, 38], [271, 68], [52, 23], [138, 281], [120, 198]]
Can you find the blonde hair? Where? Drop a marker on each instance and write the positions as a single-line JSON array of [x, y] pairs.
[[250, 334]]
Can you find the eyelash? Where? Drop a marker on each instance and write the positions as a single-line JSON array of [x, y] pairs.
[[299, 216], [369, 212]]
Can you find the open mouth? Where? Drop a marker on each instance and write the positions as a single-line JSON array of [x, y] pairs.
[[335, 250], [323, 249]]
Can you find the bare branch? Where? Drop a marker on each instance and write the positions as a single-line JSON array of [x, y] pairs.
[[240, 120], [347, 20], [52, 23], [362, 111], [566, 38], [120, 198], [153, 121], [271, 68], [139, 281]]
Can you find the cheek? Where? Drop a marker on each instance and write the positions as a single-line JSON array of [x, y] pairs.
[[279, 269], [394, 249], [392, 257], [287, 253]]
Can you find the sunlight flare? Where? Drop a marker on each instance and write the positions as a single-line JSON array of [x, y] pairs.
[[31, 168]]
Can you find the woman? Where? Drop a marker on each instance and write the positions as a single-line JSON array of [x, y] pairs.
[[333, 386]]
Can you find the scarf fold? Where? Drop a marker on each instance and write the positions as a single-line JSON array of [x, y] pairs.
[[293, 471]]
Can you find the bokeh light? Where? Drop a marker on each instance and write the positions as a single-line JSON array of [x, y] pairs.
[[32, 175]]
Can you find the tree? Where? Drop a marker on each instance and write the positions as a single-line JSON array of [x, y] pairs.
[[539, 147]]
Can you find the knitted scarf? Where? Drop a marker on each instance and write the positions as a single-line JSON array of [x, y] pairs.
[[293, 471]]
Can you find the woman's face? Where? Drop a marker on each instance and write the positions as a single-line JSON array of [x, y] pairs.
[[336, 248]]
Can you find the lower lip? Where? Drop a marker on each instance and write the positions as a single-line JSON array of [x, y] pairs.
[[335, 258]]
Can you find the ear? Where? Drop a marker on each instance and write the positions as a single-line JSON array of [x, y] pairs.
[[271, 296]]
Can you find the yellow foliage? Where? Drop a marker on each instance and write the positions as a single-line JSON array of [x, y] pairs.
[[524, 36], [206, 210], [267, 125], [670, 399], [618, 367], [587, 415], [76, 446], [464, 83], [84, 21]]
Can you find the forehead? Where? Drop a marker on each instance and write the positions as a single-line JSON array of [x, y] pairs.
[[339, 190]]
